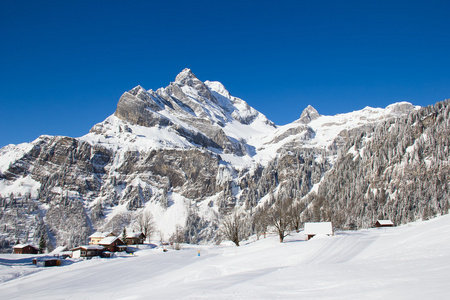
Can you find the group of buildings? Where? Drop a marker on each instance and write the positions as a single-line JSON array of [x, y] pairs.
[[102, 244]]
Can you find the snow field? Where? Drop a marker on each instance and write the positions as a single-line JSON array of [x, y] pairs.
[[406, 262]]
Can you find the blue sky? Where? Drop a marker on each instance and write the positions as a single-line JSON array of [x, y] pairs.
[[64, 66]]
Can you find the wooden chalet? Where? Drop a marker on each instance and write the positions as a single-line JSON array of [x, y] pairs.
[[25, 249], [87, 251], [384, 223], [97, 236], [317, 228], [135, 238], [113, 244]]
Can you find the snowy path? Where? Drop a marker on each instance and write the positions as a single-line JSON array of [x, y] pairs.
[[407, 262]]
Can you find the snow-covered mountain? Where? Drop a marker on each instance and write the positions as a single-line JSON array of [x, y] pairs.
[[187, 113], [189, 153], [190, 113]]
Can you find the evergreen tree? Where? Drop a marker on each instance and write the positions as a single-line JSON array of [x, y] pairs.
[[42, 244], [124, 235]]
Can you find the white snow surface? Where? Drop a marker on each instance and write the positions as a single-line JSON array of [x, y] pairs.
[[10, 153], [406, 262], [22, 185]]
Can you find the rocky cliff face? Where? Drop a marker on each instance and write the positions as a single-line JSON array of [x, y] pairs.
[[189, 153]]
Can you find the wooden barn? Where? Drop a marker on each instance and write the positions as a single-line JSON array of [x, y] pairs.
[[317, 228], [25, 249], [384, 223]]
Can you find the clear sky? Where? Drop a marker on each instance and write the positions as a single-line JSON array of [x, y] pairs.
[[65, 64]]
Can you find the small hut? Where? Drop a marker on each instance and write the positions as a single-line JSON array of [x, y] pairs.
[[384, 223], [317, 228], [46, 262]]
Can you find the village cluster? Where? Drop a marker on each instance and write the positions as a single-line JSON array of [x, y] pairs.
[[105, 244], [101, 244]]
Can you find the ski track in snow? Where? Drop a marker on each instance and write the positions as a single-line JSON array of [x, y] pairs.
[[406, 262]]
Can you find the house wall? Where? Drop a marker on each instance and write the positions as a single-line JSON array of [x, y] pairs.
[[76, 254], [25, 250], [95, 241]]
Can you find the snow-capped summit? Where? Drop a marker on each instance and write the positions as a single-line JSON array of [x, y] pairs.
[[401, 107], [185, 75], [188, 79], [309, 114], [190, 112]]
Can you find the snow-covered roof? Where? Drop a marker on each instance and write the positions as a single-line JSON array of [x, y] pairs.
[[108, 240], [89, 247], [59, 249], [318, 228], [134, 234], [385, 222], [100, 234], [20, 246]]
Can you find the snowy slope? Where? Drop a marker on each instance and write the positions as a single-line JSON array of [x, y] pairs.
[[408, 262]]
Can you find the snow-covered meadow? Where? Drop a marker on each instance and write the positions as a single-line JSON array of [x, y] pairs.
[[406, 262]]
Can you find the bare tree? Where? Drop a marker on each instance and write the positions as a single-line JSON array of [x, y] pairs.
[[234, 227], [295, 212], [144, 223], [177, 238], [261, 222], [280, 218]]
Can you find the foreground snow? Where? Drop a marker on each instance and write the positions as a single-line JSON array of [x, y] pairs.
[[407, 262]]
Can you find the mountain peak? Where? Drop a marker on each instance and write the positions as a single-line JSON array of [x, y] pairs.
[[308, 114], [185, 76], [136, 90]]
